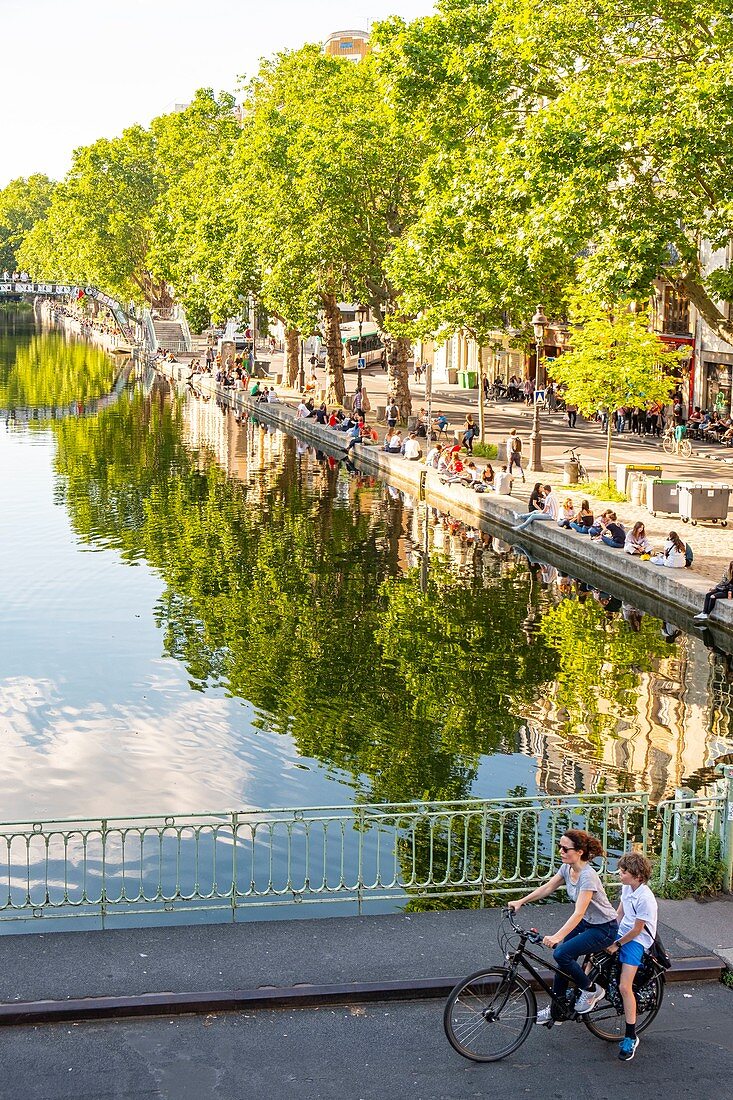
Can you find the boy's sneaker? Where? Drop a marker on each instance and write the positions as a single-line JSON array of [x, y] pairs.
[[627, 1049], [543, 1016], [588, 999]]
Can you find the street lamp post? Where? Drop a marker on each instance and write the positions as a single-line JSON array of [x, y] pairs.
[[539, 324], [301, 372], [362, 315]]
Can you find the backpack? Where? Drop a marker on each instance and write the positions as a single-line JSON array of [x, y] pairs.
[[516, 445], [659, 952]]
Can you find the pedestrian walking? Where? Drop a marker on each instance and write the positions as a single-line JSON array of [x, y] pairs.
[[514, 452], [469, 433], [572, 410]]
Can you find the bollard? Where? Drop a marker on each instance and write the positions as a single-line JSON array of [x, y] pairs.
[[570, 473]]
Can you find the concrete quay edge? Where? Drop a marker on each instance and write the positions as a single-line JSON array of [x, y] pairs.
[[653, 589]]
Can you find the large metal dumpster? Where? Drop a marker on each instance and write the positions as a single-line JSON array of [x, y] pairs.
[[662, 495], [701, 500]]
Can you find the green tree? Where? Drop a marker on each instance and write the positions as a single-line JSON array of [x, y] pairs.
[[575, 143], [22, 203], [98, 225], [327, 177], [615, 361], [198, 243]]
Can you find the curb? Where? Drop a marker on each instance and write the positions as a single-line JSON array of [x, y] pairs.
[[699, 968]]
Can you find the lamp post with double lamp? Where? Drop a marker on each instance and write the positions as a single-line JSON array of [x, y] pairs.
[[539, 324], [362, 315]]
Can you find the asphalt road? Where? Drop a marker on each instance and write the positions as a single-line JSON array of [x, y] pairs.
[[374, 1052]]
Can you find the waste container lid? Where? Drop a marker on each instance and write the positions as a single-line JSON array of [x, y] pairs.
[[663, 480], [704, 485]]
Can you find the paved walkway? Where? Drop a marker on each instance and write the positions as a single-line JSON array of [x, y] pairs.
[[319, 951]]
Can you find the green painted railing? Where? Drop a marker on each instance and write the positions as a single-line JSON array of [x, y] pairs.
[[238, 863]]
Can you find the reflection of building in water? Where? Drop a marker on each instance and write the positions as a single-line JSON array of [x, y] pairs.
[[662, 744], [672, 721]]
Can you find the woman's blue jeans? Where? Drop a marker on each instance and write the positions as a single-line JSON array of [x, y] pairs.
[[579, 527], [584, 939], [607, 540]]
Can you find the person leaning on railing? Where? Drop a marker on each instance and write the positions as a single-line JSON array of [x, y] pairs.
[[592, 926]]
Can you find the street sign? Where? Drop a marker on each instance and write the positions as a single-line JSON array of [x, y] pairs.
[[361, 362]]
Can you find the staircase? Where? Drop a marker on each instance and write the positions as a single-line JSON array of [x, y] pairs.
[[169, 335]]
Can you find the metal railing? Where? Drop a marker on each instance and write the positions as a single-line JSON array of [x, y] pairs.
[[693, 828], [239, 862]]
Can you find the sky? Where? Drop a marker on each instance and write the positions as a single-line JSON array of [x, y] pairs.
[[77, 70]]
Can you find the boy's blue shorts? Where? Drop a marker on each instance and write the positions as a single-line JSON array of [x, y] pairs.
[[631, 953]]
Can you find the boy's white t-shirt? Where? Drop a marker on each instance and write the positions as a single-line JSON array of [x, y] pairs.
[[639, 904]]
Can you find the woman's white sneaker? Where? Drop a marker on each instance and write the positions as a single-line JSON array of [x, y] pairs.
[[588, 999]]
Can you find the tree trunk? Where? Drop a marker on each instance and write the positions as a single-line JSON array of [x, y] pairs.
[[292, 351], [335, 389], [398, 354], [707, 308], [481, 376], [608, 448]]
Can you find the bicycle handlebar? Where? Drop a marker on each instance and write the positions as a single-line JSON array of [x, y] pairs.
[[531, 933]]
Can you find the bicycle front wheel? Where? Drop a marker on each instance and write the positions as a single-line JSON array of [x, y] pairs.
[[489, 1015], [607, 1022]]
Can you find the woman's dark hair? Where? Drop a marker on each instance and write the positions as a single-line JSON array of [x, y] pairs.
[[589, 846], [729, 571], [677, 543], [585, 506], [537, 487]]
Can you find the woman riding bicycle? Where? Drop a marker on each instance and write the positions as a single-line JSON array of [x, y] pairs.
[[591, 927]]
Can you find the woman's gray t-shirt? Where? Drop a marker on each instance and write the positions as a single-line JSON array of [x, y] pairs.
[[600, 910]]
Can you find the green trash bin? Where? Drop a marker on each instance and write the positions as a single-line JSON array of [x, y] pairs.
[[472, 376], [463, 379]]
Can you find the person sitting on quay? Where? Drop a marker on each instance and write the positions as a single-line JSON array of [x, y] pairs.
[[637, 542], [567, 513], [433, 456], [356, 432], [550, 511], [503, 482], [411, 448], [454, 469], [395, 443], [723, 590], [472, 475], [582, 521], [597, 529], [321, 414], [674, 555], [488, 477], [613, 533], [536, 498]]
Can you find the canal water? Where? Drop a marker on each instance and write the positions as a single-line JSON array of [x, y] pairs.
[[200, 615]]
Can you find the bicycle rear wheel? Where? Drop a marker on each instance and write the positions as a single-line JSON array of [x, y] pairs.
[[607, 1022], [668, 443], [685, 448], [489, 1015]]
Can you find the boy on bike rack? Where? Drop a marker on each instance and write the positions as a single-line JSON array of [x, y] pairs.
[[637, 913]]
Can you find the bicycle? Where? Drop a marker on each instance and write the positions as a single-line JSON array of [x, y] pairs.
[[490, 1014], [575, 457], [675, 441]]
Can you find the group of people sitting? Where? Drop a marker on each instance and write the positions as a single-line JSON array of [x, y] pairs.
[[544, 504], [713, 427]]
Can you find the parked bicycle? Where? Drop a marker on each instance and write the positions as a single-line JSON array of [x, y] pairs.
[[491, 1013], [575, 457], [675, 441]]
